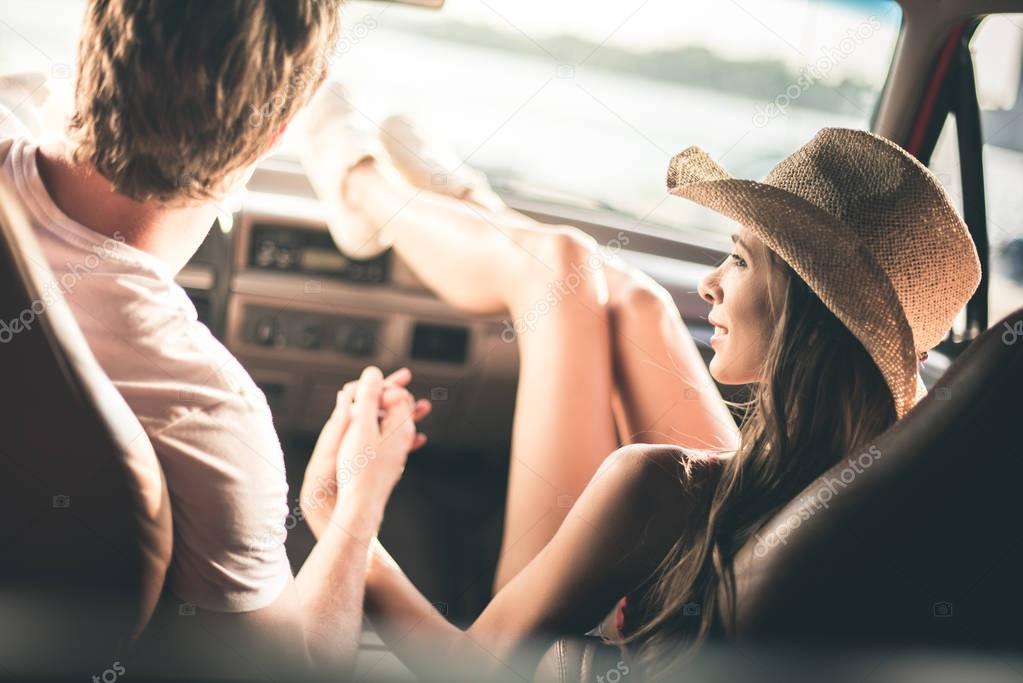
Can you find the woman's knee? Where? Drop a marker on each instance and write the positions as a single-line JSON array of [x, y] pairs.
[[565, 262], [635, 296]]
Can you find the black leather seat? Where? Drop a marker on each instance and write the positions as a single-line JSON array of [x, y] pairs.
[[85, 521], [913, 541], [923, 545]]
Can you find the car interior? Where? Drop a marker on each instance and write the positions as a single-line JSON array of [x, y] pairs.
[[912, 574]]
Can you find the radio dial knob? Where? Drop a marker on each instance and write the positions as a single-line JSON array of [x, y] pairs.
[[265, 331], [309, 337]]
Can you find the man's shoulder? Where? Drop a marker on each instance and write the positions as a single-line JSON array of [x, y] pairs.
[[146, 336], [141, 326], [169, 370]]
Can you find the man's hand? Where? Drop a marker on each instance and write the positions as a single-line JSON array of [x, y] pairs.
[[320, 486]]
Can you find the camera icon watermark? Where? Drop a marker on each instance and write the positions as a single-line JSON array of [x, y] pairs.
[[565, 71], [185, 180], [691, 609], [943, 394], [186, 609], [61, 501], [312, 287], [61, 70], [942, 609], [565, 501], [439, 394]]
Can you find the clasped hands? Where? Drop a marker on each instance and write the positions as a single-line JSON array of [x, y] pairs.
[[361, 452]]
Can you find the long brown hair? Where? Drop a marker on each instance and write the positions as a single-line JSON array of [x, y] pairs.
[[823, 396]]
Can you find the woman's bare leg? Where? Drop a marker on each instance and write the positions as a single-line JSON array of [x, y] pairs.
[[563, 427], [663, 390]]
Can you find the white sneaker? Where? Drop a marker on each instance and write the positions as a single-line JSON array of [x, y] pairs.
[[335, 138], [431, 165]]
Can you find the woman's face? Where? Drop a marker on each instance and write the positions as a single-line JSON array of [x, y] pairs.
[[738, 291]]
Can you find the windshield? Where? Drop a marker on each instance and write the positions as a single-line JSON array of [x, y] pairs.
[[584, 103]]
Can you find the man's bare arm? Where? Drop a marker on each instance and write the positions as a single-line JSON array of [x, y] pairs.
[[317, 621], [331, 584]]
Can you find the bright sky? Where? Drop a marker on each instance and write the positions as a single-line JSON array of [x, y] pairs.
[[795, 31]]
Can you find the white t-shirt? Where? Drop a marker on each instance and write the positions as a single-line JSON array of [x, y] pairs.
[[209, 423]]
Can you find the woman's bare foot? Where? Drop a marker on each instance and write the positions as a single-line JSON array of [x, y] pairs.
[[336, 141]]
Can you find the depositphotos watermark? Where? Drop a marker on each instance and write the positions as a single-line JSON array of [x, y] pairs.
[[831, 56], [321, 496], [1013, 333], [277, 534], [110, 675], [559, 289], [351, 36], [54, 291], [822, 496], [619, 672], [326, 490]]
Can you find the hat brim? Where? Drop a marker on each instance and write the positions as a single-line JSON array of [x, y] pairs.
[[823, 252]]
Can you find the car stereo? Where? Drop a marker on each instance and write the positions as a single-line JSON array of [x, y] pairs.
[[309, 251]]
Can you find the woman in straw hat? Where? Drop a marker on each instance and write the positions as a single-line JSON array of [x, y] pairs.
[[849, 264]]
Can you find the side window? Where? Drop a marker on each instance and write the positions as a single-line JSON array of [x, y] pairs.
[[945, 165], [998, 55], [997, 49]]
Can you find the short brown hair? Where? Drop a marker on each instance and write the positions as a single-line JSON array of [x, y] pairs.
[[173, 96]]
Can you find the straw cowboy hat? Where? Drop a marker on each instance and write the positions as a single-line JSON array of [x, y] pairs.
[[868, 228]]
